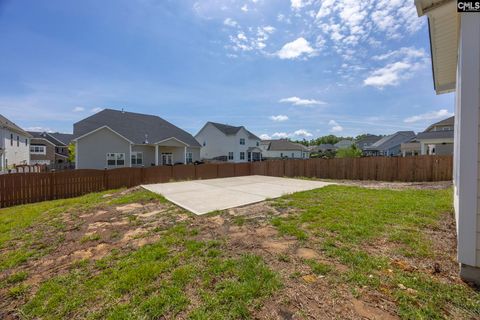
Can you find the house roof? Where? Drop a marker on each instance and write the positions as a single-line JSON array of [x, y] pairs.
[[343, 143], [136, 127], [58, 139], [284, 145], [231, 130], [368, 139], [321, 147], [392, 140], [65, 138], [443, 25], [445, 122], [442, 134], [4, 122]]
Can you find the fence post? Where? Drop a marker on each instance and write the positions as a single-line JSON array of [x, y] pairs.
[[105, 179], [52, 185], [142, 175]]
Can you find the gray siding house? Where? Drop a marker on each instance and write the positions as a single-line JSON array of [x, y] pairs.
[[283, 148], [113, 139], [389, 145]]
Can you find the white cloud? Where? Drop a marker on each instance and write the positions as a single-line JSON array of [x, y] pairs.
[[301, 102], [280, 135], [279, 118], [302, 133], [296, 49], [230, 22], [78, 109], [244, 8], [334, 126], [405, 53], [434, 115], [38, 129], [390, 75], [299, 4], [265, 136], [95, 110]]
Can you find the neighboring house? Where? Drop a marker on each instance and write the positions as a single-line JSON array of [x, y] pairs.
[[410, 148], [389, 145], [113, 139], [228, 143], [283, 148], [324, 147], [455, 54], [14, 145], [437, 139], [367, 141], [343, 144], [49, 148]]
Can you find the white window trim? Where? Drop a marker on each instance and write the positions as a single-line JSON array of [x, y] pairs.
[[44, 148], [233, 155], [189, 157], [136, 153], [242, 153], [116, 160], [242, 139]]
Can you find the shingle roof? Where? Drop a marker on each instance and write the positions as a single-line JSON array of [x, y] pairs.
[[138, 128], [65, 138], [445, 122], [322, 147], [447, 134], [368, 139], [12, 126], [284, 144], [58, 139], [392, 140], [231, 130]]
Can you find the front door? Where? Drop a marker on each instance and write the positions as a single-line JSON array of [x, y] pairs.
[[167, 159]]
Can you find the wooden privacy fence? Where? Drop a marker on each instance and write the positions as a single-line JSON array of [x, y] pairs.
[[21, 188]]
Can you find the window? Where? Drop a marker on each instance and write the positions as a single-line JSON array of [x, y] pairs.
[[242, 141], [26, 142], [18, 141], [38, 149], [258, 143], [204, 143], [281, 155], [11, 139], [115, 159], [242, 155], [293, 155], [189, 157], [137, 158], [230, 156]]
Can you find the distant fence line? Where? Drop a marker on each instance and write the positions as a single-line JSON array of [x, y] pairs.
[[21, 188]]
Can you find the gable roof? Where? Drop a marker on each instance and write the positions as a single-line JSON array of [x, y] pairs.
[[136, 127], [4, 122], [392, 140], [283, 144], [231, 130], [64, 138], [445, 122], [368, 139], [52, 137], [441, 134]]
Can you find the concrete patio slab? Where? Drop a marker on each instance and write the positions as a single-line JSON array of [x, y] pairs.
[[203, 196]]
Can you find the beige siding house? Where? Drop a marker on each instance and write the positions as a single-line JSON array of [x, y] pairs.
[[228, 143], [283, 148], [455, 45], [14, 145], [114, 139]]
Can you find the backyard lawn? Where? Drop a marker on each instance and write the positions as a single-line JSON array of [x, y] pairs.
[[342, 251]]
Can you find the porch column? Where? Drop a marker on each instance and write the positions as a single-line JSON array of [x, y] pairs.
[[185, 156], [422, 149], [466, 147], [156, 154]]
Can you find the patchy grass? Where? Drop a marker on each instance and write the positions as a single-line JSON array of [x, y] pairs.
[[152, 282], [349, 220]]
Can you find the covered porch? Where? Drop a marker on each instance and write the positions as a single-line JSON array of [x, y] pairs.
[[254, 154], [166, 152]]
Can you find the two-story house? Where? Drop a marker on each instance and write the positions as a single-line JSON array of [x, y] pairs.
[[437, 139], [50, 149], [228, 143], [14, 145]]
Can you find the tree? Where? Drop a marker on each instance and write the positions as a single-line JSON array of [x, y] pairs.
[[71, 152], [352, 152]]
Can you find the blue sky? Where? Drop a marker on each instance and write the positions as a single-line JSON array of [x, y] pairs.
[[282, 68]]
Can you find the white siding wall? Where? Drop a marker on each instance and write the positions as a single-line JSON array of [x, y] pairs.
[[286, 153], [218, 144], [13, 154]]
